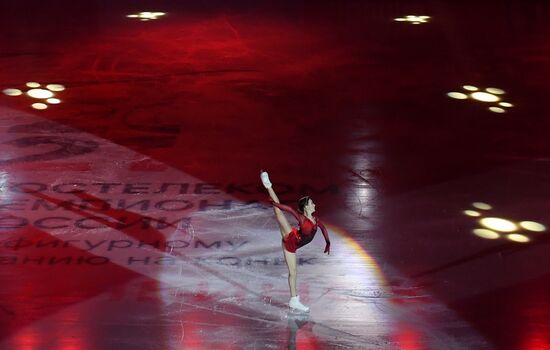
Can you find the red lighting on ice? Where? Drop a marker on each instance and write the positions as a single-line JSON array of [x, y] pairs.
[[407, 338]]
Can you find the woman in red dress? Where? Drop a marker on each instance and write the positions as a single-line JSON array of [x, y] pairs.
[[295, 238]]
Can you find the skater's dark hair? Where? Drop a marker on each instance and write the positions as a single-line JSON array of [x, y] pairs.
[[302, 202]]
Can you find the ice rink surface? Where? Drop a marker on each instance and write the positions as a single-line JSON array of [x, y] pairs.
[[131, 211]]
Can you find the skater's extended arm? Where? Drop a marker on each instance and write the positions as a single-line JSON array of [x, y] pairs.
[[287, 209], [325, 234]]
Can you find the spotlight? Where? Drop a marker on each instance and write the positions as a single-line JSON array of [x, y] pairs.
[[37, 92], [495, 227], [146, 16], [490, 95], [413, 19]]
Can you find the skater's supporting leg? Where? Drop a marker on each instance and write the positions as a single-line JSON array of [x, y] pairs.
[[290, 259]]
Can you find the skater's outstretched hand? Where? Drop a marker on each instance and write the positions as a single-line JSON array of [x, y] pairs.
[[327, 248]]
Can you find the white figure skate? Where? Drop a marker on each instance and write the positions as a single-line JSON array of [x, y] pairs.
[[295, 304]]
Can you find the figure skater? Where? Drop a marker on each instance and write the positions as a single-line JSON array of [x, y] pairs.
[[294, 238]]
